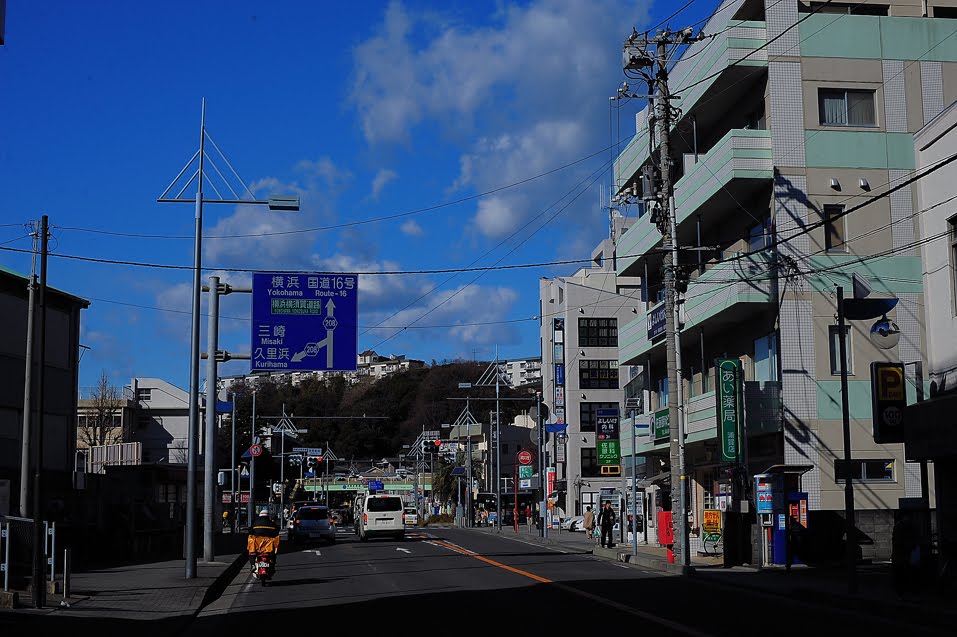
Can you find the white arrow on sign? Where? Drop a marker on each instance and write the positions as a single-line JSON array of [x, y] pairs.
[[312, 349]]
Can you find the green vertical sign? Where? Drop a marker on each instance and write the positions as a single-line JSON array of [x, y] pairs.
[[729, 375], [607, 427], [662, 424]]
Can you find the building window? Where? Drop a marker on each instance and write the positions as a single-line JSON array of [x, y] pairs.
[[597, 332], [760, 236], [598, 374], [835, 346], [945, 12], [952, 226], [843, 107], [850, 8], [865, 470], [589, 458], [835, 230], [587, 413], [662, 392], [709, 480], [765, 361], [144, 394]]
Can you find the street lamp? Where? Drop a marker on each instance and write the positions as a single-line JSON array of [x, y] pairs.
[[857, 309], [276, 203]]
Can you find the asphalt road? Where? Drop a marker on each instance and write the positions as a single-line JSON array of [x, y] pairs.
[[468, 582]]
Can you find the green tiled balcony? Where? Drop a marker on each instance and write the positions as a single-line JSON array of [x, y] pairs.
[[634, 243], [721, 297], [735, 50], [736, 166]]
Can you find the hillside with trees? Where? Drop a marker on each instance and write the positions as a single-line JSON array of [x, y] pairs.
[[372, 419]]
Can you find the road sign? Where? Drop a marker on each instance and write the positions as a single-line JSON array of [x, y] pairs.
[[304, 321], [525, 457], [889, 400], [375, 485], [313, 452], [431, 434], [458, 471], [256, 450]]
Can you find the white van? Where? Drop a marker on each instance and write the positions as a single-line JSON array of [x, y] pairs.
[[382, 515]]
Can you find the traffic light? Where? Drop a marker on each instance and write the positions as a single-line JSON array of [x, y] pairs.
[[431, 445]]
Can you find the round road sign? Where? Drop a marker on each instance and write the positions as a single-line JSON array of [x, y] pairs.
[[255, 450], [525, 457]]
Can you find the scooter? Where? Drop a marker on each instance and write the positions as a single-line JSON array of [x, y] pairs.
[[264, 567]]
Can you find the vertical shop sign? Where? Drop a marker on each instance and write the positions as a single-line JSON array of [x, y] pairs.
[[729, 406]]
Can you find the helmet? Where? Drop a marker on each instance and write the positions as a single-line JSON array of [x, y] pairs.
[[264, 511]]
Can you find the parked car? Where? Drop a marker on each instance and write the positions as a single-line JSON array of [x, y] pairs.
[[573, 523], [312, 523], [411, 516]]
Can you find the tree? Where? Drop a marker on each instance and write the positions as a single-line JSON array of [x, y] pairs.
[[99, 425]]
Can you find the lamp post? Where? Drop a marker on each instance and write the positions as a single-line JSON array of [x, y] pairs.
[[274, 203], [853, 309]]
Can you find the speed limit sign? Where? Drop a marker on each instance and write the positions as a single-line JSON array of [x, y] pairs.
[[256, 450]]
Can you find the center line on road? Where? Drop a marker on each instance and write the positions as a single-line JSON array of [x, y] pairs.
[[482, 558]]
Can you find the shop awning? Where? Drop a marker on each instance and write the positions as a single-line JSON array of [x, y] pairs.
[[794, 469]]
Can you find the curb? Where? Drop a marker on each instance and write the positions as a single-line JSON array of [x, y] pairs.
[[218, 587]]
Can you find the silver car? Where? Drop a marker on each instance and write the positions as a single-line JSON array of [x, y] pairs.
[[312, 523]]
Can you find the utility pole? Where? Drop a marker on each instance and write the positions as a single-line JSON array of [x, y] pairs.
[[28, 385], [636, 57], [38, 584]]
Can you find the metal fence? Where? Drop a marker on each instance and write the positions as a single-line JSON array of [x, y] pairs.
[[16, 550]]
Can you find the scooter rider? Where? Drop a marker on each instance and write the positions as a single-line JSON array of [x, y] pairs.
[[263, 538]]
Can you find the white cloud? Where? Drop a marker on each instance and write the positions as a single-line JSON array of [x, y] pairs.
[[412, 228], [381, 180], [533, 78]]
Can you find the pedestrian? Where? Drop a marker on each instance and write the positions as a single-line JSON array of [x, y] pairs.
[[589, 523], [606, 520], [793, 542], [905, 554], [529, 518]]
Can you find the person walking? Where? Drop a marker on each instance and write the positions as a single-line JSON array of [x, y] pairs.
[[606, 520], [589, 523], [903, 559]]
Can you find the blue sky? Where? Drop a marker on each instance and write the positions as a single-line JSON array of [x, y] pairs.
[[419, 136]]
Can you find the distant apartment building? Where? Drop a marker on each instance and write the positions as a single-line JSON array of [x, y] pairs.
[[150, 424], [582, 315], [369, 364], [796, 122], [522, 371]]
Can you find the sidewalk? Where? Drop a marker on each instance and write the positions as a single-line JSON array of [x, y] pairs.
[[155, 590], [828, 584]]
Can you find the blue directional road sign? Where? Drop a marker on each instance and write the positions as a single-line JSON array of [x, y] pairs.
[[305, 321]]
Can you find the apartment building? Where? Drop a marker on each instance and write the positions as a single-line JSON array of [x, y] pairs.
[[146, 421], [792, 151], [581, 318], [522, 371], [931, 436]]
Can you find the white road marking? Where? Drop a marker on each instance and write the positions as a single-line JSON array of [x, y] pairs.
[[399, 548]]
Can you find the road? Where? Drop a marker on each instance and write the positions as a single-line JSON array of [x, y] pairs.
[[465, 581]]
